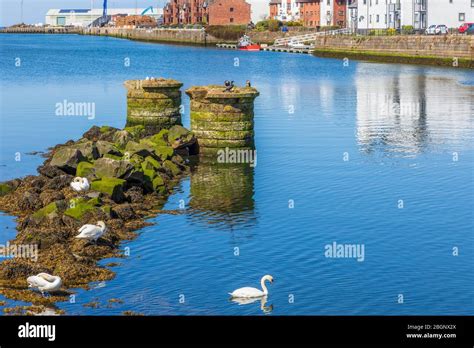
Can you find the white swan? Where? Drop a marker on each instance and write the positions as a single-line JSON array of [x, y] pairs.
[[92, 232], [80, 184], [44, 282], [248, 292]]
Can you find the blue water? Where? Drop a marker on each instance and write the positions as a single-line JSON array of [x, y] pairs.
[[344, 144]]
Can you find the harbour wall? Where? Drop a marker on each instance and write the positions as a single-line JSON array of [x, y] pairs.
[[447, 46]]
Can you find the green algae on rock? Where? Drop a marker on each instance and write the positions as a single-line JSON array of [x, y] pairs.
[[153, 104], [221, 117]]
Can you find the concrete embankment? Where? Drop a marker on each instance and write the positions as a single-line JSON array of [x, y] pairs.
[[183, 36], [452, 50], [41, 30]]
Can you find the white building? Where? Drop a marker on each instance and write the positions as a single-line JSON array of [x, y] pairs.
[[84, 17], [384, 14], [287, 10], [452, 13], [326, 7]]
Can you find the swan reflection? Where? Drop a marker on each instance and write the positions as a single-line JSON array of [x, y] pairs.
[[246, 301]]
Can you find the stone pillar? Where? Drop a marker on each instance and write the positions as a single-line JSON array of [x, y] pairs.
[[221, 119], [153, 103]]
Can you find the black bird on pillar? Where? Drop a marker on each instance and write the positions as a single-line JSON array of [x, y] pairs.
[[228, 85]]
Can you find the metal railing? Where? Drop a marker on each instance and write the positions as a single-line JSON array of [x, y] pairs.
[[301, 39]]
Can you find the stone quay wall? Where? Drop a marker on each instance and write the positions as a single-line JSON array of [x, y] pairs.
[[153, 103], [443, 46], [222, 119], [184, 36]]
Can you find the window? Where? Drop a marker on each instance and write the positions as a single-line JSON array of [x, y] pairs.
[[231, 9], [370, 19], [378, 18], [462, 17], [472, 3], [232, 20]]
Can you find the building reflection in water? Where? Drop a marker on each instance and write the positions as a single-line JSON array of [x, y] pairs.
[[222, 194], [403, 114]]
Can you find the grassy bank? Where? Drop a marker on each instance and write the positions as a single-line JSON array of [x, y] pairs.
[[391, 57]]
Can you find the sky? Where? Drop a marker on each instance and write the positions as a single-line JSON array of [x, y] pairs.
[[34, 11]]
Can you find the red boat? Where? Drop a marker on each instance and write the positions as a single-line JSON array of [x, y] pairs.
[[245, 44]]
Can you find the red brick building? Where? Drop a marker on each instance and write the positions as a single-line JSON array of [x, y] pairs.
[[212, 12], [310, 12], [340, 13]]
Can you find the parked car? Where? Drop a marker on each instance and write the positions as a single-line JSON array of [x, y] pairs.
[[463, 28], [470, 30], [441, 29], [431, 30]]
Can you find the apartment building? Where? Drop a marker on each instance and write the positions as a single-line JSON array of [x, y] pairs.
[[313, 13], [384, 14], [213, 12]]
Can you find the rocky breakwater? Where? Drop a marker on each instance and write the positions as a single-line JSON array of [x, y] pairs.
[[153, 103], [130, 176], [222, 117]]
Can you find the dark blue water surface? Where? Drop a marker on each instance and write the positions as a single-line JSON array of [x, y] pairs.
[[346, 144]]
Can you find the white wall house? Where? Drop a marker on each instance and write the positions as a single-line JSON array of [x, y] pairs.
[[384, 14], [287, 11], [83, 17], [452, 13], [326, 12]]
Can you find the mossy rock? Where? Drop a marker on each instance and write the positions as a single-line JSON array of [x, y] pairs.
[[67, 159], [112, 186], [173, 168], [143, 148], [79, 210], [50, 208], [87, 148], [157, 182], [106, 209], [136, 132], [105, 147], [5, 188], [107, 167], [136, 161], [148, 170], [105, 129], [114, 157], [96, 201], [121, 138], [153, 162], [84, 169], [160, 139], [164, 152]]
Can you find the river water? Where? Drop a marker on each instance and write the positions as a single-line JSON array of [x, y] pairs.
[[376, 155]]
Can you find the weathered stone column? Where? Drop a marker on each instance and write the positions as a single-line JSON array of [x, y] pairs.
[[221, 118], [153, 103]]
